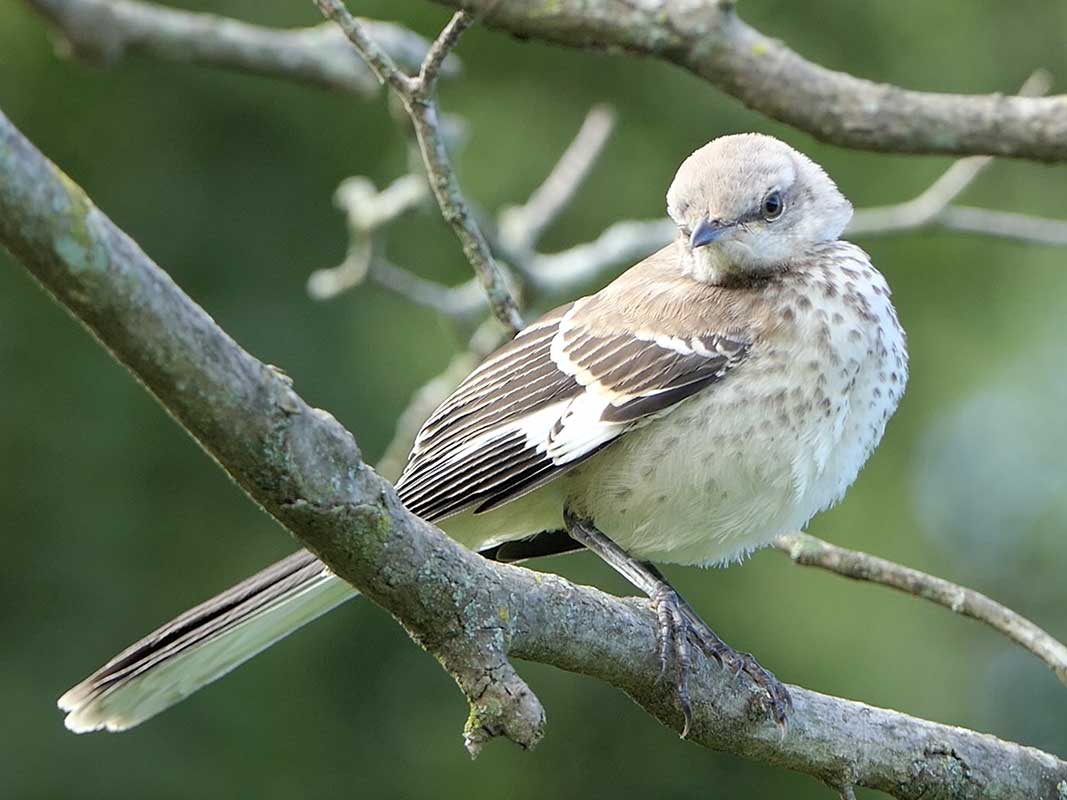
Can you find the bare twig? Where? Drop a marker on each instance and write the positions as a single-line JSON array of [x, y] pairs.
[[105, 31], [366, 211], [624, 243], [1005, 225], [921, 211], [522, 226], [382, 64], [417, 94], [932, 207], [463, 303], [426, 84], [812, 552], [305, 469]]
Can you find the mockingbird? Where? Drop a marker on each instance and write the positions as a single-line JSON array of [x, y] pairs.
[[717, 394]]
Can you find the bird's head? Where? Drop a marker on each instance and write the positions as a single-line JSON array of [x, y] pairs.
[[746, 205]]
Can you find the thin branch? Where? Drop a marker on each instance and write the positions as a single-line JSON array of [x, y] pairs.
[[305, 469], [624, 243], [426, 84], [418, 97], [366, 211], [933, 206], [463, 303], [1005, 225], [523, 226], [709, 39], [921, 211], [548, 278], [380, 62], [106, 31], [812, 552]]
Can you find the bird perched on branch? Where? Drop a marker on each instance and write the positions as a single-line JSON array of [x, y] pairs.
[[717, 394]]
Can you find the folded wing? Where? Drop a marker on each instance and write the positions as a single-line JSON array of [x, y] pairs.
[[558, 393]]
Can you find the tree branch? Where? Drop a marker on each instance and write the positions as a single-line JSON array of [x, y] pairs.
[[812, 552], [304, 468], [933, 207], [709, 39], [106, 31], [417, 94], [523, 226]]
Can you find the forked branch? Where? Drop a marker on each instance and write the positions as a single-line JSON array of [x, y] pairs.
[[417, 94]]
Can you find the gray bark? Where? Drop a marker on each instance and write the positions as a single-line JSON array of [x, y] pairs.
[[709, 39]]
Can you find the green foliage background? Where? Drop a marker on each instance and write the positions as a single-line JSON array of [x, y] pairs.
[[113, 520]]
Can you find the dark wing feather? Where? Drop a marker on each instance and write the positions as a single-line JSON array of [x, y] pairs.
[[551, 398]]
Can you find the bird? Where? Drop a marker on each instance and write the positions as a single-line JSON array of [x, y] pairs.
[[717, 394]]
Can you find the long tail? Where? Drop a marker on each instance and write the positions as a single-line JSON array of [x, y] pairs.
[[206, 642], [203, 644]]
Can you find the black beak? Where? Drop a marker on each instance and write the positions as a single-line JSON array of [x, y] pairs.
[[707, 231]]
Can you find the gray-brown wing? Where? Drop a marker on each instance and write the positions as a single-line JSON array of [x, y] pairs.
[[551, 398]]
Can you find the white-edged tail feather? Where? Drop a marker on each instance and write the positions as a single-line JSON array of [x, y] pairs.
[[200, 647]]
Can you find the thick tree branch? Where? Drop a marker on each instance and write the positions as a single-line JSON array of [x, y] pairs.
[[304, 468], [708, 38], [106, 31], [812, 552], [417, 94]]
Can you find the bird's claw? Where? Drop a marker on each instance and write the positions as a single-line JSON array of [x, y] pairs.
[[778, 702], [674, 629], [676, 626]]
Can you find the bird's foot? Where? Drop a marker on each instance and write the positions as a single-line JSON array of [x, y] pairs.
[[677, 624], [674, 630]]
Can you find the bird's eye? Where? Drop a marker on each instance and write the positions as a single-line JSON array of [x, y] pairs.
[[773, 206]]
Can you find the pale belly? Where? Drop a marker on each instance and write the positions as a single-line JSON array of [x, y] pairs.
[[743, 461]]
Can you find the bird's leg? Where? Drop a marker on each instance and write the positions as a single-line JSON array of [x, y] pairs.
[[677, 622]]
